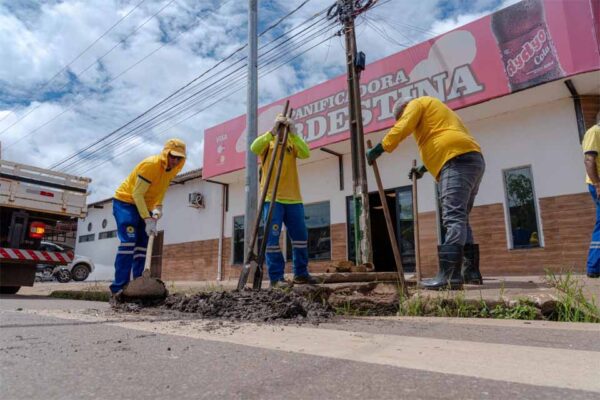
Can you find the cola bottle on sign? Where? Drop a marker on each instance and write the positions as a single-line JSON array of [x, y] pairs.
[[528, 54]]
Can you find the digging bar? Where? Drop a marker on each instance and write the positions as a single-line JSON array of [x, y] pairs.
[[258, 275], [390, 227], [250, 263]]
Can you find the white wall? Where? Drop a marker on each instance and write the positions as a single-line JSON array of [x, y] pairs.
[[543, 136], [182, 223], [101, 251]]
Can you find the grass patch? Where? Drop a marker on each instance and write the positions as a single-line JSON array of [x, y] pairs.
[[81, 295], [572, 304], [459, 307]]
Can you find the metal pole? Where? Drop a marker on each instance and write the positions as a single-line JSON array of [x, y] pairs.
[[362, 220], [251, 187]]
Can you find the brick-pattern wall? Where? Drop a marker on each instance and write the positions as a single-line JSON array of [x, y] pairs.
[[567, 223], [198, 260]]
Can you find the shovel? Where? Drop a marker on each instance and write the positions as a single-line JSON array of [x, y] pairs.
[[145, 287], [251, 264]]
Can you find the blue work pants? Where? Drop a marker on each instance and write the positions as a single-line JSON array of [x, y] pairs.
[[292, 215], [131, 255], [593, 260]]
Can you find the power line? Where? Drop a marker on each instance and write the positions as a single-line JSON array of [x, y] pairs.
[[81, 53], [216, 90], [173, 111], [63, 162], [92, 64], [235, 90]]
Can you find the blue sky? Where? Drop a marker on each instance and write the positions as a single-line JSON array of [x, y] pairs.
[[45, 116]]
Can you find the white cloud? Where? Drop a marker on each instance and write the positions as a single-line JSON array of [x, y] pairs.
[[38, 40]]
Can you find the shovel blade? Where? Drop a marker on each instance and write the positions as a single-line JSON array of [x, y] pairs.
[[145, 288], [247, 272]]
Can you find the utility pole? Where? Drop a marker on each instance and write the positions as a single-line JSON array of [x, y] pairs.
[[346, 11], [251, 125]]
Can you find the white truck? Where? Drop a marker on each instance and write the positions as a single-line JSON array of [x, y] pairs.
[[31, 200]]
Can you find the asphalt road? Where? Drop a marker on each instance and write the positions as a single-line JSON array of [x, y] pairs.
[[59, 349]]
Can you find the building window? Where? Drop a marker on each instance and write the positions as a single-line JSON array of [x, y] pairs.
[[86, 238], [89, 227], [238, 239], [521, 208], [317, 219], [104, 223], [107, 234]]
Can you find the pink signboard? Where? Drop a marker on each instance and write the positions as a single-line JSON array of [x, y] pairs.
[[527, 44]]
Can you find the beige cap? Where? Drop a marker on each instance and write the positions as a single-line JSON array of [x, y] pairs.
[[175, 147]]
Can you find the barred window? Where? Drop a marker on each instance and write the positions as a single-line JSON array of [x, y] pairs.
[[86, 238], [107, 234]]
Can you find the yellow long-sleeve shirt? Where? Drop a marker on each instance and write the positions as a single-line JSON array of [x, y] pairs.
[[288, 191], [147, 184], [439, 133]]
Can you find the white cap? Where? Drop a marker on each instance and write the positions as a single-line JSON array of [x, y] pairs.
[[399, 104]]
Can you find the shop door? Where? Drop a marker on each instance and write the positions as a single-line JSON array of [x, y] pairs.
[[399, 201]]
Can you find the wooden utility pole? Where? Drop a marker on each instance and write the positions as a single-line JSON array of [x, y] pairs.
[[346, 11]]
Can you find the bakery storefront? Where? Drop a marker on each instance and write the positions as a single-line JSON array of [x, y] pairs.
[[526, 82]]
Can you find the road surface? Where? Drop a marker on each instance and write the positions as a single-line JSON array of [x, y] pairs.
[[62, 349]]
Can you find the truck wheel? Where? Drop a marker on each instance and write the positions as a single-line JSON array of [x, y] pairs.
[[80, 272], [9, 289]]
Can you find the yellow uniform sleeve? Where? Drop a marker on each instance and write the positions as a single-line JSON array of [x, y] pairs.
[[302, 150], [404, 126], [139, 190], [261, 143], [591, 141]]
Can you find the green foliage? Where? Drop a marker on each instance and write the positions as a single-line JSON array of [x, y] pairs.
[[524, 309], [81, 295], [572, 305]]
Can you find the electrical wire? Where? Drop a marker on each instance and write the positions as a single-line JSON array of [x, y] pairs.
[[235, 90], [64, 68], [62, 163], [173, 112], [92, 64]]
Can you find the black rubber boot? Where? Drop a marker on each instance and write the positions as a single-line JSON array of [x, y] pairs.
[[448, 277], [470, 267]]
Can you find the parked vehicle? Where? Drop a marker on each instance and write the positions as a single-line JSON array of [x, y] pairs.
[[59, 273], [31, 200], [79, 269]]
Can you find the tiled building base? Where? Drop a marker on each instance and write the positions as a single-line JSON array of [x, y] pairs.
[[567, 223]]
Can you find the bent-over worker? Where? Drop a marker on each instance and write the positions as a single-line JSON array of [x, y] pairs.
[[137, 206], [454, 159]]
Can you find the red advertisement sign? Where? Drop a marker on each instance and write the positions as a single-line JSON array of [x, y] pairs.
[[526, 44]]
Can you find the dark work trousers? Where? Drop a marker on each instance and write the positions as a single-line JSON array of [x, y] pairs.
[[458, 185]]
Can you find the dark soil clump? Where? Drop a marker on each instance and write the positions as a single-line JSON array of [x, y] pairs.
[[252, 306]]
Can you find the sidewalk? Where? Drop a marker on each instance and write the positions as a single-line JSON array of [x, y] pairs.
[[493, 289]]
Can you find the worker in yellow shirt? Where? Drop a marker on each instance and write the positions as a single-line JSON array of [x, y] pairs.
[[137, 206], [454, 159], [289, 209], [591, 148]]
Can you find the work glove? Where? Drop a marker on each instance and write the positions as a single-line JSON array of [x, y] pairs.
[[417, 172], [374, 153], [151, 226], [287, 121], [157, 212]]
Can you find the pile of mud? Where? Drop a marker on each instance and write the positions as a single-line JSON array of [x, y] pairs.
[[252, 306]]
